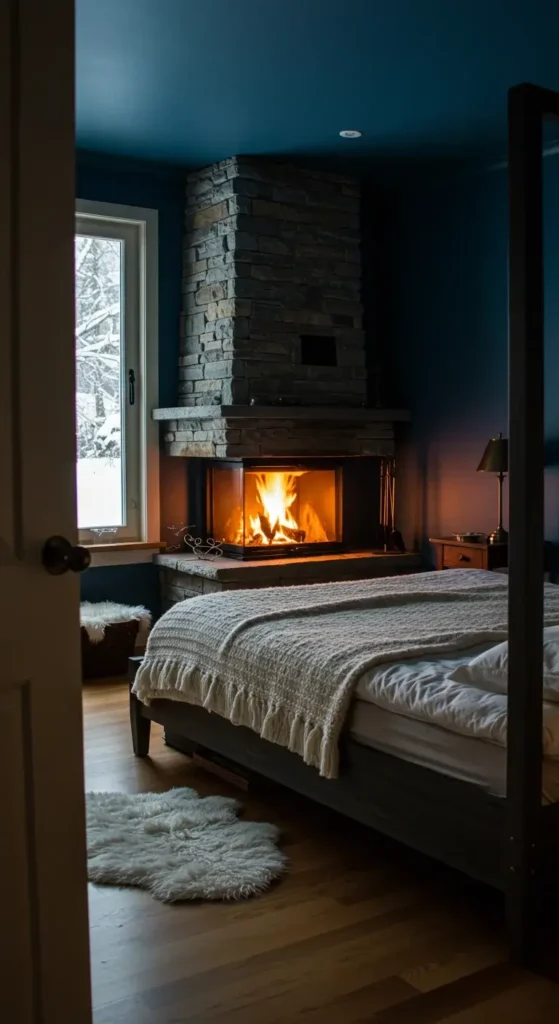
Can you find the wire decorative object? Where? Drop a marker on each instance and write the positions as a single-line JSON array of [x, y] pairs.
[[102, 531], [177, 532], [205, 550]]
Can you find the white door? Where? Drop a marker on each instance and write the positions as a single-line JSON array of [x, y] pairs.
[[43, 910]]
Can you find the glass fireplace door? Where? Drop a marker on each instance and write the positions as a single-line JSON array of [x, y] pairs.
[[266, 510]]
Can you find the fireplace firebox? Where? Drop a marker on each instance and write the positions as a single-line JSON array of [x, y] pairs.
[[281, 508], [272, 509]]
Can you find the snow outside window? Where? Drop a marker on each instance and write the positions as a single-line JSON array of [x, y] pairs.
[[111, 411]]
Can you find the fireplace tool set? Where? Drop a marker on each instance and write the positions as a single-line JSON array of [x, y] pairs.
[[390, 538]]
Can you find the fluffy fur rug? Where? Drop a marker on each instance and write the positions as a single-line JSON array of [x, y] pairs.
[[179, 846], [96, 615]]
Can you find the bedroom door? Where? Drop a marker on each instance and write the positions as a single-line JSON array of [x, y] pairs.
[[43, 932]]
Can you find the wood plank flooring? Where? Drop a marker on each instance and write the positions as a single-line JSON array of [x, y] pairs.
[[360, 930]]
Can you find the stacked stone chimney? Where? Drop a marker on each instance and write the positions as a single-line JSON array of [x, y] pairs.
[[271, 288], [272, 350]]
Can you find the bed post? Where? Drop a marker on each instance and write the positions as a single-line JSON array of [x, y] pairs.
[[526, 107], [139, 725]]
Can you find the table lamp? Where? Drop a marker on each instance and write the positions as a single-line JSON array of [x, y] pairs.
[[495, 459]]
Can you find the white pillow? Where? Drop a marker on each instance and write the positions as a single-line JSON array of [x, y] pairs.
[[489, 671]]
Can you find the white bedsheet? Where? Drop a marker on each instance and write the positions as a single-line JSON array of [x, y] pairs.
[[422, 742], [483, 764], [420, 689]]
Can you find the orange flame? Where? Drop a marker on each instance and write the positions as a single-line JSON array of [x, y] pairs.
[[273, 522]]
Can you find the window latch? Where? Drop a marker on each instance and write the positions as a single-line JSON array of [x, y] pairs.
[[131, 387]]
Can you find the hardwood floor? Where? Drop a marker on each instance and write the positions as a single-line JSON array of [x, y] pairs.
[[359, 930]]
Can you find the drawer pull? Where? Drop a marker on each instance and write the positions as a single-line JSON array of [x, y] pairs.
[[463, 558]]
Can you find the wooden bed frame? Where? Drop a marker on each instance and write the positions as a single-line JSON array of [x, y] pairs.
[[457, 822], [511, 843]]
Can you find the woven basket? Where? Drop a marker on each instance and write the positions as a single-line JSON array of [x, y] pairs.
[[110, 656]]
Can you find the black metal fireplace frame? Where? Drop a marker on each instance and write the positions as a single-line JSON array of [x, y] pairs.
[[357, 493]]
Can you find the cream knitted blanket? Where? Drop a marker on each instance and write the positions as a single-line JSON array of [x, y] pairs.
[[284, 661]]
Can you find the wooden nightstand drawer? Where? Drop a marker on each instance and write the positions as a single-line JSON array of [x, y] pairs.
[[463, 557], [458, 554]]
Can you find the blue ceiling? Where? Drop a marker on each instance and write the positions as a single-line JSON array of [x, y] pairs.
[[193, 81]]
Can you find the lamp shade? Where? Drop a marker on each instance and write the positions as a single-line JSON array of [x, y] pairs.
[[495, 458]]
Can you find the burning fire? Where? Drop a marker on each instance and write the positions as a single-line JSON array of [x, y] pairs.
[[274, 521]]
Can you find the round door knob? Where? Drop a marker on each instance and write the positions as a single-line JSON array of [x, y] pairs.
[[59, 556]]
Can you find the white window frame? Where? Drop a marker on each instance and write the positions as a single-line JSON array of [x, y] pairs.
[[138, 228]]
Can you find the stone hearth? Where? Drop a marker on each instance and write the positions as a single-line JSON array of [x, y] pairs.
[[184, 576]]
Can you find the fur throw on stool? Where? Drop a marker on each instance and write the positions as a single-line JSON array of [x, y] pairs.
[[96, 616]]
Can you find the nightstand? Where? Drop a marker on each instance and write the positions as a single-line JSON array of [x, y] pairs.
[[458, 554]]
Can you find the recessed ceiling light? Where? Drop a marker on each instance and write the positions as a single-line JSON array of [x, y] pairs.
[[350, 133]]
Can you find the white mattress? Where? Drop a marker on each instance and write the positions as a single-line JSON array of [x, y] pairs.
[[451, 753]]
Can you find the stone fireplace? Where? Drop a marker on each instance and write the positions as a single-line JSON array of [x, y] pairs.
[[272, 403]]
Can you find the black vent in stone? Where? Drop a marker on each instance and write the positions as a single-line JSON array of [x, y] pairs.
[[318, 350]]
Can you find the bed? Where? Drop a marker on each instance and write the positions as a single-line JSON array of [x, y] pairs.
[[466, 758], [505, 836], [421, 757]]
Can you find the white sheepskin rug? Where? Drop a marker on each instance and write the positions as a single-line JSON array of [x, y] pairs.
[[179, 846], [95, 616]]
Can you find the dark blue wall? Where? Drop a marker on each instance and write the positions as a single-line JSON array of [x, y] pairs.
[[127, 584], [158, 188], [446, 345], [131, 183]]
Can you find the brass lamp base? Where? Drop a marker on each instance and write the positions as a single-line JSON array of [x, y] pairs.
[[499, 536]]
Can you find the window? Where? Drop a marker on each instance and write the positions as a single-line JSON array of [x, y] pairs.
[[116, 373]]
